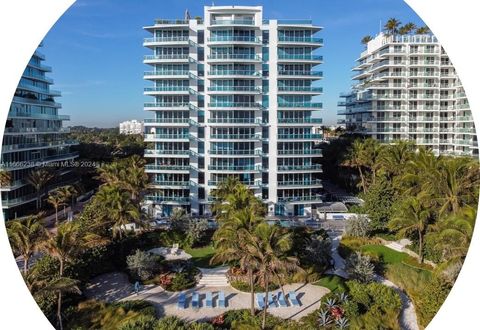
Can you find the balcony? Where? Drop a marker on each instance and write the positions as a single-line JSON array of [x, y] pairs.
[[313, 105], [155, 153], [171, 22], [167, 105], [234, 38], [168, 199], [299, 152], [236, 89], [301, 74], [310, 167], [300, 183], [165, 40], [166, 74], [256, 183], [38, 145], [160, 137], [181, 121], [299, 136], [300, 58], [299, 120], [235, 121], [167, 168], [235, 152], [165, 58], [235, 168], [232, 22], [235, 136], [233, 57], [37, 162], [21, 114], [166, 90], [183, 184], [241, 73], [249, 105], [301, 89], [36, 130], [293, 199], [300, 40]]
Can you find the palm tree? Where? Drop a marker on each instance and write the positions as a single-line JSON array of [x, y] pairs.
[[5, 178], [25, 236], [39, 179], [55, 199], [391, 27], [63, 245], [422, 30], [421, 172], [66, 192], [394, 157], [133, 178], [408, 28], [412, 217], [365, 40], [120, 209], [268, 245], [356, 159]]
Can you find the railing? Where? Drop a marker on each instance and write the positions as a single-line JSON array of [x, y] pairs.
[[234, 57], [310, 40], [165, 39], [167, 167], [167, 105], [286, 104], [234, 73], [166, 73], [171, 21], [300, 73], [299, 167], [234, 168], [299, 183], [166, 152], [294, 22], [166, 89], [300, 152], [166, 136], [232, 22], [299, 120], [234, 38], [300, 89], [299, 136], [166, 57], [232, 152], [171, 183], [234, 120], [167, 120], [234, 105], [300, 198], [37, 162], [14, 147], [248, 183], [234, 89], [37, 130], [178, 199], [38, 115], [235, 136], [305, 57]]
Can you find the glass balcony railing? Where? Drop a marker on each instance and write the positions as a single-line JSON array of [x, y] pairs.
[[235, 136], [166, 136], [287, 104], [234, 152], [234, 89], [300, 198], [171, 183], [234, 73], [167, 121], [299, 120], [166, 89], [234, 121], [300, 73], [301, 57], [232, 22], [234, 105], [300, 152], [150, 167], [37, 161], [165, 39], [256, 183], [252, 57], [159, 199], [234, 168], [294, 22], [310, 40], [299, 136], [166, 152], [234, 38], [166, 57], [52, 144], [171, 21], [167, 105], [37, 129], [13, 114], [299, 183], [300, 89], [166, 73], [299, 167]]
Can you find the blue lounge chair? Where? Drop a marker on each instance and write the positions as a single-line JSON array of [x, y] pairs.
[[209, 300], [292, 296], [281, 299], [260, 297], [271, 301], [182, 299], [221, 299], [195, 300]]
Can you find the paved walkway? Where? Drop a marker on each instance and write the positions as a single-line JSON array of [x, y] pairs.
[[115, 286]]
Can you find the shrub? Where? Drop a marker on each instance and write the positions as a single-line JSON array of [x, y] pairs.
[[171, 323], [200, 326], [143, 322], [360, 267], [142, 265], [318, 252], [357, 226], [431, 299], [196, 231]]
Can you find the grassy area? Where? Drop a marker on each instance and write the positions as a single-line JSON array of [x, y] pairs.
[[332, 282], [201, 256]]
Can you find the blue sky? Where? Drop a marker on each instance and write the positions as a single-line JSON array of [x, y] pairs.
[[96, 49]]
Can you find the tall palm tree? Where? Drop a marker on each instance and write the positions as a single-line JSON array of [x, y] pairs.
[[25, 236], [268, 245], [421, 172], [394, 157], [423, 30], [63, 245], [356, 159], [66, 192], [366, 39], [55, 199], [407, 28], [121, 210], [392, 25], [39, 179], [413, 216]]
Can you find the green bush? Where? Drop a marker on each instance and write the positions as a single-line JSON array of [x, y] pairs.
[[143, 322], [171, 323], [143, 265], [431, 299]]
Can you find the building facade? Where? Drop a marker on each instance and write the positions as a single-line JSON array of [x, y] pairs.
[[34, 137], [406, 88], [233, 95], [131, 127]]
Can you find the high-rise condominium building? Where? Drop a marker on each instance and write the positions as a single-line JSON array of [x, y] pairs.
[[233, 95], [407, 89], [131, 127], [34, 138]]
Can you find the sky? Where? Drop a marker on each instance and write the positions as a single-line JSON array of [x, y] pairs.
[[96, 49]]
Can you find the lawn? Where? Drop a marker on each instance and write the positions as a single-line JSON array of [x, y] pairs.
[[201, 256], [332, 282]]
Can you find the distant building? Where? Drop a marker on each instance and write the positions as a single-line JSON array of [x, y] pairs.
[[131, 127], [34, 138]]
